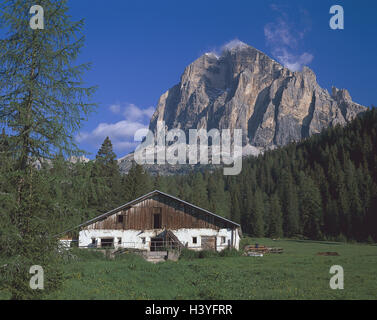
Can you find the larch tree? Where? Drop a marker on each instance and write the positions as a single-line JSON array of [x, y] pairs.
[[43, 101]]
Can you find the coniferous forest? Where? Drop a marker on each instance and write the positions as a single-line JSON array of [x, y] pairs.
[[322, 188]]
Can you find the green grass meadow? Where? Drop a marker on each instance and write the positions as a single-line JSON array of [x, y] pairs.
[[298, 273]]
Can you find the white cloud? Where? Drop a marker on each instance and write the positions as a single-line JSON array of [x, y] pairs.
[[279, 33], [234, 44], [293, 62], [133, 112], [121, 133], [115, 108], [285, 40], [228, 46], [119, 130]]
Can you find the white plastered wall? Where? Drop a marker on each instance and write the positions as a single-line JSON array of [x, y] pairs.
[[134, 238]]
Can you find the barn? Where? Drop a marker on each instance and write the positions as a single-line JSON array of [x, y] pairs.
[[158, 220]]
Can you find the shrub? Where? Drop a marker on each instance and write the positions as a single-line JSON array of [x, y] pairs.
[[207, 254], [230, 252], [87, 254], [187, 254], [246, 241]]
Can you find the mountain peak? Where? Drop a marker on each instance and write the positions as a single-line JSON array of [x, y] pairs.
[[235, 45], [232, 47], [245, 89]]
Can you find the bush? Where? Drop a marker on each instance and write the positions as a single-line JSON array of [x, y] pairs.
[[187, 254], [207, 254], [87, 254], [230, 252], [246, 241]]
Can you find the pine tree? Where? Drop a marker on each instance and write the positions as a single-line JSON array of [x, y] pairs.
[[276, 218], [356, 210], [310, 207], [199, 191], [136, 183], [235, 209], [106, 158], [337, 178], [290, 205], [106, 176], [185, 192], [218, 198], [160, 183], [257, 215]]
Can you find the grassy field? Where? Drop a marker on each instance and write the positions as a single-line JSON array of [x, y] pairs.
[[298, 273]]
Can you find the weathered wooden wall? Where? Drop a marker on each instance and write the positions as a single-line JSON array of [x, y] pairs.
[[175, 215]]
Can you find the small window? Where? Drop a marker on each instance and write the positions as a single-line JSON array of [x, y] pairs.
[[143, 240], [107, 242], [119, 240], [194, 240], [120, 218], [223, 240], [93, 240]]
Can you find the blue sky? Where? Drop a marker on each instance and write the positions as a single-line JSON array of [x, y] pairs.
[[140, 48]]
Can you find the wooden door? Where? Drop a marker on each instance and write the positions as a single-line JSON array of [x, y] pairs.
[[208, 242]]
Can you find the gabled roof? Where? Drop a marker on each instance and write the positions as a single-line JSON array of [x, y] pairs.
[[148, 195]]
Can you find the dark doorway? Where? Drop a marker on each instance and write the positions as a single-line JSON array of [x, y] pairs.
[[157, 221], [157, 244]]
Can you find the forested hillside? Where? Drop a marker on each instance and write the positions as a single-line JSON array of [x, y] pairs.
[[322, 188]]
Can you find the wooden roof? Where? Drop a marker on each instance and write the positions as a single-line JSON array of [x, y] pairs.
[[148, 195]]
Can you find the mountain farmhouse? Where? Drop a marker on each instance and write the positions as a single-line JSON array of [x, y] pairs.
[[158, 220]]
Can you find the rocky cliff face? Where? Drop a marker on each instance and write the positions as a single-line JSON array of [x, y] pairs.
[[245, 89]]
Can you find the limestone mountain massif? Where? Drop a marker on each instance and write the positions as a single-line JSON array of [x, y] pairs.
[[245, 89]]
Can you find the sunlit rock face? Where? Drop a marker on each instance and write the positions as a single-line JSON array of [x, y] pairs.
[[245, 89]]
